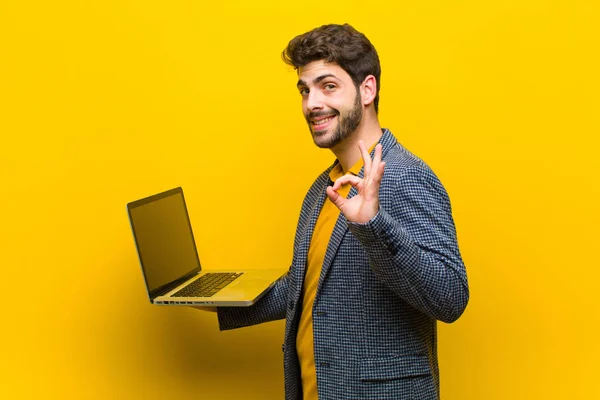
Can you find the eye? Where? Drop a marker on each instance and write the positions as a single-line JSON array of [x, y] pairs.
[[303, 91], [329, 87]]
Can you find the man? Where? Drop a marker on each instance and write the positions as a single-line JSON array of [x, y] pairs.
[[376, 261]]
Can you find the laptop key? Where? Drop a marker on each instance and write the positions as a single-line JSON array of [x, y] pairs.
[[207, 285]]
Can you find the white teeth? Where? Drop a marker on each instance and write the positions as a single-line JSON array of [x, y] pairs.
[[322, 121]]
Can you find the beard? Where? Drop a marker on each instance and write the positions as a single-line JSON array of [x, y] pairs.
[[347, 124]]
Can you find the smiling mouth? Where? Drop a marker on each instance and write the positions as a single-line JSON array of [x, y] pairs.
[[323, 121]]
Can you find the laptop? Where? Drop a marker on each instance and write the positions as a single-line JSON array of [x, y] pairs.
[[170, 264]]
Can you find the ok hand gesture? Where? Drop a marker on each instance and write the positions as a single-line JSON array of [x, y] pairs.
[[365, 205]]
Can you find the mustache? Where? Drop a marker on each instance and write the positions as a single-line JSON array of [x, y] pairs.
[[317, 114]]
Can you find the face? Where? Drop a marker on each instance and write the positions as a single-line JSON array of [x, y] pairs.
[[330, 101]]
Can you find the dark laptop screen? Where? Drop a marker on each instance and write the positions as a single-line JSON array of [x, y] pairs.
[[164, 238]]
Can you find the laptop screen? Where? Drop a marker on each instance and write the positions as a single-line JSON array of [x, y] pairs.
[[164, 238]]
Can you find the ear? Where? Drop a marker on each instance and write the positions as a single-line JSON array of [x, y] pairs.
[[368, 90]]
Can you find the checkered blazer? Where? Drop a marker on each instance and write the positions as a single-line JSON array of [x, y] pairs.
[[383, 286]]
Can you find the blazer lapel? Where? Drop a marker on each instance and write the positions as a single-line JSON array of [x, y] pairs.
[[341, 226], [304, 245]]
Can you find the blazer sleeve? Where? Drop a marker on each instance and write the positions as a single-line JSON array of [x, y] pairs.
[[271, 307], [412, 246]]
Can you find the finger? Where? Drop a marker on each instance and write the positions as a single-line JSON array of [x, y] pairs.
[[377, 159], [351, 179], [377, 176], [380, 170], [366, 157], [335, 198], [375, 162], [370, 188]]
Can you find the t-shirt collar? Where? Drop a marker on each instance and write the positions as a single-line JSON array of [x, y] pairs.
[[337, 172]]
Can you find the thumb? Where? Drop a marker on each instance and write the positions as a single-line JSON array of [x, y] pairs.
[[335, 198]]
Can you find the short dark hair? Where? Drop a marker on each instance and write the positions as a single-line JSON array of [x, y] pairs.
[[339, 44]]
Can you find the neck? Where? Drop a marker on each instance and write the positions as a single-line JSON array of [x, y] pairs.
[[347, 152]]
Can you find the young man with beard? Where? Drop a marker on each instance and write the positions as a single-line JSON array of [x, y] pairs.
[[376, 261]]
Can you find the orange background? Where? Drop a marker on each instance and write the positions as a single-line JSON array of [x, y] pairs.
[[104, 102]]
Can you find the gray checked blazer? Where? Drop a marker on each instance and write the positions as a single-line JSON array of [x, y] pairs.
[[383, 286]]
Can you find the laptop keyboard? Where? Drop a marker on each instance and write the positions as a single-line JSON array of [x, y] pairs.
[[208, 284]]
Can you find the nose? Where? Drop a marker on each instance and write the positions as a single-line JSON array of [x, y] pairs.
[[314, 100]]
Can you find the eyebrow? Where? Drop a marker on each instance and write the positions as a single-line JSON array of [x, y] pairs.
[[316, 80]]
